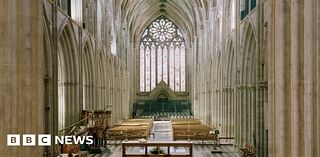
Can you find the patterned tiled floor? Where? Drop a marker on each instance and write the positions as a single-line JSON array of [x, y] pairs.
[[162, 131]]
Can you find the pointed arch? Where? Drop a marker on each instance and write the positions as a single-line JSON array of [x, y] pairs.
[[230, 63], [67, 77], [162, 56], [248, 71], [88, 74], [248, 48]]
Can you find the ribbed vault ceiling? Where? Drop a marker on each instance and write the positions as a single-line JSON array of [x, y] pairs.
[[138, 14]]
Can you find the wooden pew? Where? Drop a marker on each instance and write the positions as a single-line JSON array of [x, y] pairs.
[[130, 129], [139, 120], [185, 121], [130, 132], [194, 131], [191, 129]]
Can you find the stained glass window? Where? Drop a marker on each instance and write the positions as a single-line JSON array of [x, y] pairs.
[[162, 56]]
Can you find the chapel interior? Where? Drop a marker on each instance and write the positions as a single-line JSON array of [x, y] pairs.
[[174, 78]]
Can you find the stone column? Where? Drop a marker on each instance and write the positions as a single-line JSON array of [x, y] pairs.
[[242, 121], [237, 75], [318, 84], [21, 72], [310, 79], [293, 80], [297, 78], [260, 111], [233, 112], [282, 104], [254, 127], [237, 116], [258, 123], [228, 111], [250, 112], [223, 106]]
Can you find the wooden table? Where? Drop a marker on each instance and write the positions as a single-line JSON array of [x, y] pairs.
[[147, 144]]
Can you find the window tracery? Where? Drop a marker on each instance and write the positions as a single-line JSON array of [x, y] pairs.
[[162, 56]]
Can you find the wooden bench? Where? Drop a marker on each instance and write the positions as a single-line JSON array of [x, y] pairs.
[[191, 129], [129, 132], [248, 151], [130, 129], [185, 121], [195, 131]]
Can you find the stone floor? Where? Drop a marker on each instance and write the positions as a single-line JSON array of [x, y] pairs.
[[163, 132]]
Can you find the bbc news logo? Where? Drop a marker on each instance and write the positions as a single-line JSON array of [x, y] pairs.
[[45, 140]]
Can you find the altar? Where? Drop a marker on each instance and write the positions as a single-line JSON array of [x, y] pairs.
[[158, 148]]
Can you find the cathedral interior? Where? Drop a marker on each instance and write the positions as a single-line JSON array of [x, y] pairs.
[[221, 78]]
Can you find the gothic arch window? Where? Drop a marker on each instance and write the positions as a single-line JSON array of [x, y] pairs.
[[162, 56]]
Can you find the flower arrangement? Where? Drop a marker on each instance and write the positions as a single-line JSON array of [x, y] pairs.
[[157, 150]]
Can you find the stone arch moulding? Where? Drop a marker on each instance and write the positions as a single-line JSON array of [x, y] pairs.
[[248, 48], [62, 23], [248, 25], [230, 62], [162, 88], [67, 65]]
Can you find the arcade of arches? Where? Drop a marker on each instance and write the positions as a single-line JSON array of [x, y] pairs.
[[248, 67]]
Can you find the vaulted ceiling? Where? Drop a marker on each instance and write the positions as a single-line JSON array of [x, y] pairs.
[[138, 14]]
